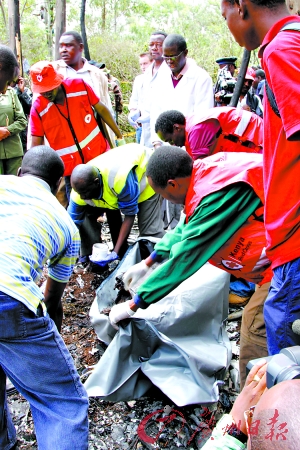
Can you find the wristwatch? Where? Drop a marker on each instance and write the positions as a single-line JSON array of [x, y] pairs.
[[227, 425]]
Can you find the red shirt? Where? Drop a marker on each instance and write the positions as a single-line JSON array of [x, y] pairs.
[[281, 60]]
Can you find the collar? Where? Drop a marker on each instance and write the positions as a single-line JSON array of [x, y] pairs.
[[85, 67], [183, 71], [37, 180], [274, 30]]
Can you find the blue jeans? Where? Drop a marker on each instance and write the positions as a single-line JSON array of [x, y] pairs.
[[282, 307], [36, 360], [68, 187], [138, 134]]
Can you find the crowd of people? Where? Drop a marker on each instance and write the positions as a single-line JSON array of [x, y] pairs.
[[228, 176]]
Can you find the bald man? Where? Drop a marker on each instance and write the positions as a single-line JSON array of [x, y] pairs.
[[261, 418], [117, 180]]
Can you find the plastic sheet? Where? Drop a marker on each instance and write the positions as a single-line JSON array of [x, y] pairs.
[[178, 344]]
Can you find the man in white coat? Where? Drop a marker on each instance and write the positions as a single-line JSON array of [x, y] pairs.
[[150, 76], [135, 103], [180, 84]]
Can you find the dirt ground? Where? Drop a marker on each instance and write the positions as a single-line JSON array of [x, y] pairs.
[[114, 425]]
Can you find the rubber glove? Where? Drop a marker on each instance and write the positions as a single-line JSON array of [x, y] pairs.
[[132, 118], [103, 262], [144, 118], [120, 312], [134, 274]]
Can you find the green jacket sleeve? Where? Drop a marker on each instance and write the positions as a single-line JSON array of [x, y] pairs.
[[215, 220], [19, 121]]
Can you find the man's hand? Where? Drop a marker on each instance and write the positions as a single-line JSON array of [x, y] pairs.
[[120, 312], [53, 293], [103, 262], [254, 388], [246, 108], [132, 276], [4, 133]]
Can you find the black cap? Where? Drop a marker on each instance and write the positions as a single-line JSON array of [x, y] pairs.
[[227, 60], [100, 65]]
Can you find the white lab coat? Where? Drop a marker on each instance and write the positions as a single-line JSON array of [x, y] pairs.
[[193, 94], [149, 81]]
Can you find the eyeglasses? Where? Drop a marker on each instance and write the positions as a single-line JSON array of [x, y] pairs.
[[172, 58]]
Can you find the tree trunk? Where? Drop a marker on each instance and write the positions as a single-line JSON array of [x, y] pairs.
[[83, 32], [60, 24], [14, 30], [103, 21]]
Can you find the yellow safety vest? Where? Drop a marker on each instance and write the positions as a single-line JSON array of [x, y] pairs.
[[114, 167]]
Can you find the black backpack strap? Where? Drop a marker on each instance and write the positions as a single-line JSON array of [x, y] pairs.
[[272, 100], [292, 26]]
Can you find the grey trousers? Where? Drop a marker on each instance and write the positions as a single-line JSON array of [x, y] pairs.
[[149, 217]]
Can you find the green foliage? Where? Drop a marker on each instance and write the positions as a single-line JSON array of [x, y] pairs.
[[119, 55], [34, 41], [118, 30]]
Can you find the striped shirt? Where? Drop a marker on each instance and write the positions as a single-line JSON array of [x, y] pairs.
[[35, 229]]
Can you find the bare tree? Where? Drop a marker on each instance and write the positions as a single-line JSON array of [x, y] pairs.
[[14, 30], [83, 33], [103, 21], [60, 23]]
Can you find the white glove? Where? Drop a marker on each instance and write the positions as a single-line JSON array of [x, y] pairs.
[[120, 312], [133, 116], [133, 275]]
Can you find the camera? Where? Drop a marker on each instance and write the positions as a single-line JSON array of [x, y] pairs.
[[225, 85], [281, 367]]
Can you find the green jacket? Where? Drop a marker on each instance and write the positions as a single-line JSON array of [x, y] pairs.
[[12, 117]]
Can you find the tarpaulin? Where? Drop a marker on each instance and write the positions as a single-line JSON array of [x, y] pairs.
[[179, 344]]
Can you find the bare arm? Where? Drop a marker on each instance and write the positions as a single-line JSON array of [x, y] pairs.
[[37, 140], [53, 293], [104, 112], [124, 232]]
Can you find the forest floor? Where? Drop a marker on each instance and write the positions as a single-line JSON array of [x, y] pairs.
[[114, 425]]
